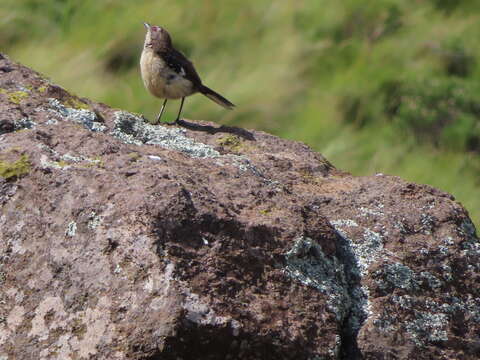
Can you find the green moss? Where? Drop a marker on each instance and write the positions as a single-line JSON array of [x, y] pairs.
[[76, 104], [98, 161], [265, 211], [9, 170], [62, 163], [42, 89], [16, 97], [231, 142], [134, 156], [91, 163]]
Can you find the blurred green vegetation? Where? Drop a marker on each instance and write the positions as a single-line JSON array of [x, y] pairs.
[[387, 86]]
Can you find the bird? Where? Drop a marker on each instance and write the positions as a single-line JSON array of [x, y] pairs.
[[168, 74]]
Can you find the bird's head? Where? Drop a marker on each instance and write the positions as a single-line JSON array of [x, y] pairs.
[[157, 37]]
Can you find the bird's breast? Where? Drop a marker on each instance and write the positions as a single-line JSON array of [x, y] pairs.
[[160, 80]]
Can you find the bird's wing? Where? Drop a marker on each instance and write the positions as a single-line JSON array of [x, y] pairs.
[[181, 65]]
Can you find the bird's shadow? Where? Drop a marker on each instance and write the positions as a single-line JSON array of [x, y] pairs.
[[247, 135]]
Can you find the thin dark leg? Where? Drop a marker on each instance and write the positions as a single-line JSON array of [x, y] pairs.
[[178, 116], [180, 111], [161, 111]]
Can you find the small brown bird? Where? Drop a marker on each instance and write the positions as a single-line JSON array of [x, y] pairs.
[[168, 74]]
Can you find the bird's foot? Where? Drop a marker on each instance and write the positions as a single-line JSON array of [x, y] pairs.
[[175, 122]]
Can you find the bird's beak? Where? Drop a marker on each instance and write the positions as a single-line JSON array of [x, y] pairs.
[[147, 26]]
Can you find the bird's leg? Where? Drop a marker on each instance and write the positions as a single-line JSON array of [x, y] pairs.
[[178, 116], [180, 110], [161, 112]]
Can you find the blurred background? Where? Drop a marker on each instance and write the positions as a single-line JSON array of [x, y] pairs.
[[385, 86]]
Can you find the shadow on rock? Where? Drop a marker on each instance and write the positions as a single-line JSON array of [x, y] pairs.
[[199, 342], [247, 135]]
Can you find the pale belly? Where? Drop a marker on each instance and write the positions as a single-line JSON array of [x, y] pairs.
[[162, 82]]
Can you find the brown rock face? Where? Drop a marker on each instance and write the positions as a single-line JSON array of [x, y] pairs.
[[123, 240]]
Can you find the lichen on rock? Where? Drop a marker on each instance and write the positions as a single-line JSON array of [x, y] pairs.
[[306, 263], [15, 97], [126, 240], [82, 116], [134, 130], [15, 169]]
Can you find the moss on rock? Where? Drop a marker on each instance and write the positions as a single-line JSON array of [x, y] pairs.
[[231, 142], [9, 170], [76, 104], [15, 97], [42, 89]]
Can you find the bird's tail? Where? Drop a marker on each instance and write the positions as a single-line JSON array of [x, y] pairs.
[[219, 99]]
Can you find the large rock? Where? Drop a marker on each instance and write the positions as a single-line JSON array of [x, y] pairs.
[[123, 240]]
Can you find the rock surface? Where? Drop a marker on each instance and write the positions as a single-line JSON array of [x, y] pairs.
[[123, 240]]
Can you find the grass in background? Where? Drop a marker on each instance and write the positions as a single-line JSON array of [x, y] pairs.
[[386, 86]]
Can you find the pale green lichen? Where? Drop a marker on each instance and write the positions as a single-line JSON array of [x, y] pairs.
[[24, 123], [71, 229], [134, 156], [431, 317], [75, 103], [15, 97], [82, 163], [428, 327], [87, 118], [62, 163], [366, 249], [94, 220], [307, 264], [16, 169], [76, 160], [396, 276], [134, 130], [97, 161], [231, 142]]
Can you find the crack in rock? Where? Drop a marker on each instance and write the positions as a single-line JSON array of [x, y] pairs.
[[334, 277]]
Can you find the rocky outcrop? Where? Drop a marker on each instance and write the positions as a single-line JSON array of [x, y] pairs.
[[124, 240]]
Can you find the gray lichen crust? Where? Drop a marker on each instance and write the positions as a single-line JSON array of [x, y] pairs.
[[132, 129], [307, 264], [82, 116], [366, 250], [24, 123], [261, 249]]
